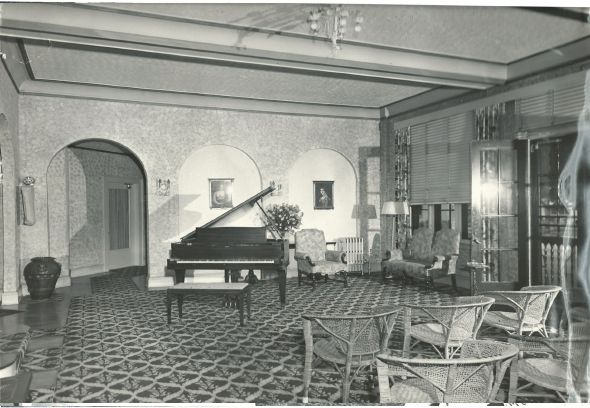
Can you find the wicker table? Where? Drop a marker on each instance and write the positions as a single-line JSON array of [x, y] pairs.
[[240, 290]]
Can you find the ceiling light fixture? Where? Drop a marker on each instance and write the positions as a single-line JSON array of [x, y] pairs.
[[332, 21]]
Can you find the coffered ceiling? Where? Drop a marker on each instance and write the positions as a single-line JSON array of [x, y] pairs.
[[262, 57]]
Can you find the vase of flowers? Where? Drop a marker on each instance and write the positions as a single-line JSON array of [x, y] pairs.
[[286, 217]]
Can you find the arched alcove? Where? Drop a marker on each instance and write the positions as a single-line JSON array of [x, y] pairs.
[[212, 163], [78, 180], [325, 165]]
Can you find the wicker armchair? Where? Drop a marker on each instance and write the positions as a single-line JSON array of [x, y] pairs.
[[313, 260], [569, 360], [451, 324], [531, 305], [346, 342], [474, 377]]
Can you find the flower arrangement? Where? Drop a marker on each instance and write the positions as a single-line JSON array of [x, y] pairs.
[[286, 217]]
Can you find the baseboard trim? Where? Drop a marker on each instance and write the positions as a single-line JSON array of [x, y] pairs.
[[12, 298], [160, 282], [63, 282], [87, 270]]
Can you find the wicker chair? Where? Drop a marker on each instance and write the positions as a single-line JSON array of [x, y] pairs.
[[474, 377], [314, 260], [576, 305], [347, 342], [531, 305], [569, 360], [451, 324]]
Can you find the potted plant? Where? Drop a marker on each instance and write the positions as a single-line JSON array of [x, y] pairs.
[[286, 218]]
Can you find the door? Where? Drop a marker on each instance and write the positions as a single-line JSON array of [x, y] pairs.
[[123, 223], [551, 257], [500, 214]]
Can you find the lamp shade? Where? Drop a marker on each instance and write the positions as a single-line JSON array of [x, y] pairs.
[[364, 212], [395, 208]]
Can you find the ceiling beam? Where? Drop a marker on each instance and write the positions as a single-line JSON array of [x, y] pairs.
[[95, 25], [421, 100], [14, 62], [553, 58], [126, 95]]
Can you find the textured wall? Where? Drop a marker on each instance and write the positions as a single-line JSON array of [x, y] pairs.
[[9, 145], [57, 196], [87, 170], [164, 137]]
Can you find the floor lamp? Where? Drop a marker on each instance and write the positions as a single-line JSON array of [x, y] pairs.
[[395, 208]]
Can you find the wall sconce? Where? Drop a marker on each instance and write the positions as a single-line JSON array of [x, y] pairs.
[[278, 189], [28, 194], [163, 187]]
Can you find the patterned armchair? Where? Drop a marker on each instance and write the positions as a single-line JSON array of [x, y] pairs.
[[313, 260], [424, 261]]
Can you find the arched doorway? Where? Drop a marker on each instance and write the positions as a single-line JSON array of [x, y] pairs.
[[96, 207]]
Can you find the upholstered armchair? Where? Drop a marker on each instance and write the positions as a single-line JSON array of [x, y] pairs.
[[425, 259], [315, 261]]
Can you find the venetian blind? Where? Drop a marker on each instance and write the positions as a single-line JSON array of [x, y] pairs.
[[550, 108], [440, 162]]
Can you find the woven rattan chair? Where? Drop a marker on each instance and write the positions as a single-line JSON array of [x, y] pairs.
[[531, 305], [474, 377], [449, 326], [347, 342], [567, 358]]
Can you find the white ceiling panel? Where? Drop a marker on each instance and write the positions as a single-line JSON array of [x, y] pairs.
[[143, 72]]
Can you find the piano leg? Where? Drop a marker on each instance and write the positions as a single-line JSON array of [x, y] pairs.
[[179, 275], [283, 286], [235, 275]]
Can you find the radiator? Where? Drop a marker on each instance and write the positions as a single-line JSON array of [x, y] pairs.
[[353, 248]]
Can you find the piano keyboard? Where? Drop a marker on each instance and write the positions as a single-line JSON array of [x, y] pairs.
[[224, 261]]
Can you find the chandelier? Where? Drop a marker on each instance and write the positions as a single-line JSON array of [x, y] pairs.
[[332, 21]]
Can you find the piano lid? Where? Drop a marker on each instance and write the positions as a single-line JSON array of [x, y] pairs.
[[240, 207]]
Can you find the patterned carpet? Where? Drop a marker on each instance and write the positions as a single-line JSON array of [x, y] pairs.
[[119, 349]]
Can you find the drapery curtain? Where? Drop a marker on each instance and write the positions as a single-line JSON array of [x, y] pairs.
[[402, 182]]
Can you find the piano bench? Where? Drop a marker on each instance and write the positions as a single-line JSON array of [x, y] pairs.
[[240, 290]]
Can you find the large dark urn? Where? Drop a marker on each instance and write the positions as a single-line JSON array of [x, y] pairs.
[[41, 275]]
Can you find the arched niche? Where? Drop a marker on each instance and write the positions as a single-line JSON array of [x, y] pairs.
[[325, 165], [210, 163]]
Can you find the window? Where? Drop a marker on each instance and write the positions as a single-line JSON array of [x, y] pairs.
[[465, 221], [435, 215], [440, 168]]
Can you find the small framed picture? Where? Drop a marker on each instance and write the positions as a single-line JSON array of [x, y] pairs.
[[323, 195], [221, 193]]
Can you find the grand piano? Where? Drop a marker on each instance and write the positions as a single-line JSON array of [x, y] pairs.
[[215, 246]]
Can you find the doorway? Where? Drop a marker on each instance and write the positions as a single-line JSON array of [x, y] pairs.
[[550, 257], [123, 209], [500, 214]]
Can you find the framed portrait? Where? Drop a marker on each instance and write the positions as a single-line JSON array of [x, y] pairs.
[[221, 193], [323, 195]]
